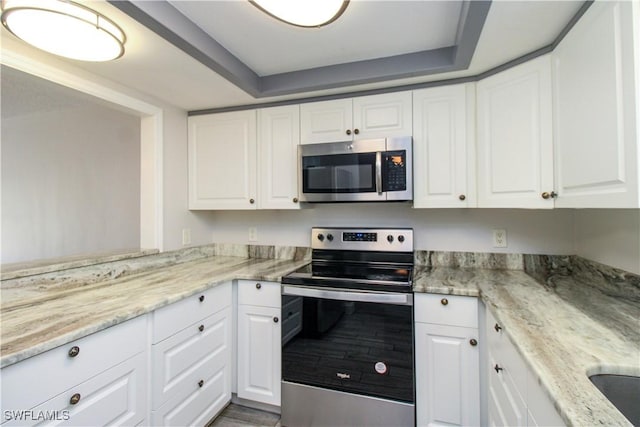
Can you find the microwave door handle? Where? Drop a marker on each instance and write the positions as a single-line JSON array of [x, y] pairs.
[[379, 172]]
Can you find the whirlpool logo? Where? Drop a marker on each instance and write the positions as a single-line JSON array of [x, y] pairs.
[[343, 376]]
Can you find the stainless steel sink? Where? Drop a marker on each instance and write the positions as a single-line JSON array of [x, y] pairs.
[[623, 391]]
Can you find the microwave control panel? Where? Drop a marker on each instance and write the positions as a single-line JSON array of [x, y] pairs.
[[394, 171]]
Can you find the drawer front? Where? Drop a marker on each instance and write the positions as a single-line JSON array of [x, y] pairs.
[[451, 310], [200, 406], [506, 404], [190, 356], [33, 381], [261, 294], [505, 354], [177, 316], [117, 396]]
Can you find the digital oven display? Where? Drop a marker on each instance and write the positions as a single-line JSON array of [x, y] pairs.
[[359, 237]]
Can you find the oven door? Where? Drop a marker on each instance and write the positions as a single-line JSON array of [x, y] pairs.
[[349, 341], [349, 171]]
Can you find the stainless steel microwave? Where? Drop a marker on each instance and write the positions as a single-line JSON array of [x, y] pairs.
[[356, 171]]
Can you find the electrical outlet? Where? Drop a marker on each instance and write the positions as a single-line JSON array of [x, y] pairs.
[[253, 234], [186, 236], [499, 238]]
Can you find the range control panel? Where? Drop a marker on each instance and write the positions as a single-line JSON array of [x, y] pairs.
[[363, 239]]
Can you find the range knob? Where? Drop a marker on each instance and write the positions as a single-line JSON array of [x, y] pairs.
[[401, 238], [389, 238], [330, 237], [321, 237]]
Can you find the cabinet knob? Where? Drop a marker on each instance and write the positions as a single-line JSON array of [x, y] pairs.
[[201, 298], [546, 195], [497, 327], [74, 351], [462, 197], [295, 200], [498, 368], [444, 301], [258, 285], [348, 131], [75, 399], [200, 383], [201, 328], [356, 131], [473, 342], [276, 320], [252, 201]]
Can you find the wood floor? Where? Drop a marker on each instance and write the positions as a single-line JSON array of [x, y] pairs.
[[240, 416]]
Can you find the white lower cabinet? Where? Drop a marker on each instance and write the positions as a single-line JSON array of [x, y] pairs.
[[447, 361], [259, 342], [515, 398], [97, 380], [192, 368]]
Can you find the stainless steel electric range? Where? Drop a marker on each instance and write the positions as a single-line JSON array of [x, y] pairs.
[[347, 332]]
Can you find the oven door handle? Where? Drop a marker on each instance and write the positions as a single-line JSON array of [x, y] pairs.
[[374, 297]]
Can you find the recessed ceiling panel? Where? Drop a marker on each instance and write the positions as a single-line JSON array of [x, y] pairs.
[[366, 30]]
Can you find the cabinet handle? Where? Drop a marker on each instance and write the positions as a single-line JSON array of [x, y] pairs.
[[201, 328], [295, 200], [444, 301], [498, 368], [252, 201], [545, 195], [348, 131], [200, 383], [497, 327], [462, 197], [473, 342], [75, 399], [276, 320], [356, 131], [258, 285], [201, 298], [74, 351]]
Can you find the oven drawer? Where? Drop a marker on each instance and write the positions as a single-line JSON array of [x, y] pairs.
[[452, 310], [261, 294]]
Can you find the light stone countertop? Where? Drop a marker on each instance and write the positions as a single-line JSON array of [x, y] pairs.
[[565, 330], [40, 316]]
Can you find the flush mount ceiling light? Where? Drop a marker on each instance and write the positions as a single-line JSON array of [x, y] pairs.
[[303, 13], [64, 28]]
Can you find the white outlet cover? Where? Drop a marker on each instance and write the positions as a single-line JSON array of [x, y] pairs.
[[499, 238]]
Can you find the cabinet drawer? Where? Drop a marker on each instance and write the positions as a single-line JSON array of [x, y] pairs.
[[117, 396], [200, 405], [452, 310], [177, 316], [505, 354], [40, 378], [261, 294], [183, 360]]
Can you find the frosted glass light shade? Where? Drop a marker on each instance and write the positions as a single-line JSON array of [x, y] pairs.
[[303, 13], [64, 28]]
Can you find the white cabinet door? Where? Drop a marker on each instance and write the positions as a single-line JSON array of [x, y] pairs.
[[278, 140], [117, 396], [515, 150], [443, 152], [222, 161], [326, 121], [382, 116], [259, 354], [447, 376], [596, 97]]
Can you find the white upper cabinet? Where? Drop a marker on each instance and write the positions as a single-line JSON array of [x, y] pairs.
[[365, 117], [222, 161], [278, 139], [515, 147], [596, 109], [443, 149]]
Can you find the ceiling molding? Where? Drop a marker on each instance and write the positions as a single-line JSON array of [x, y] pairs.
[[167, 22]]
